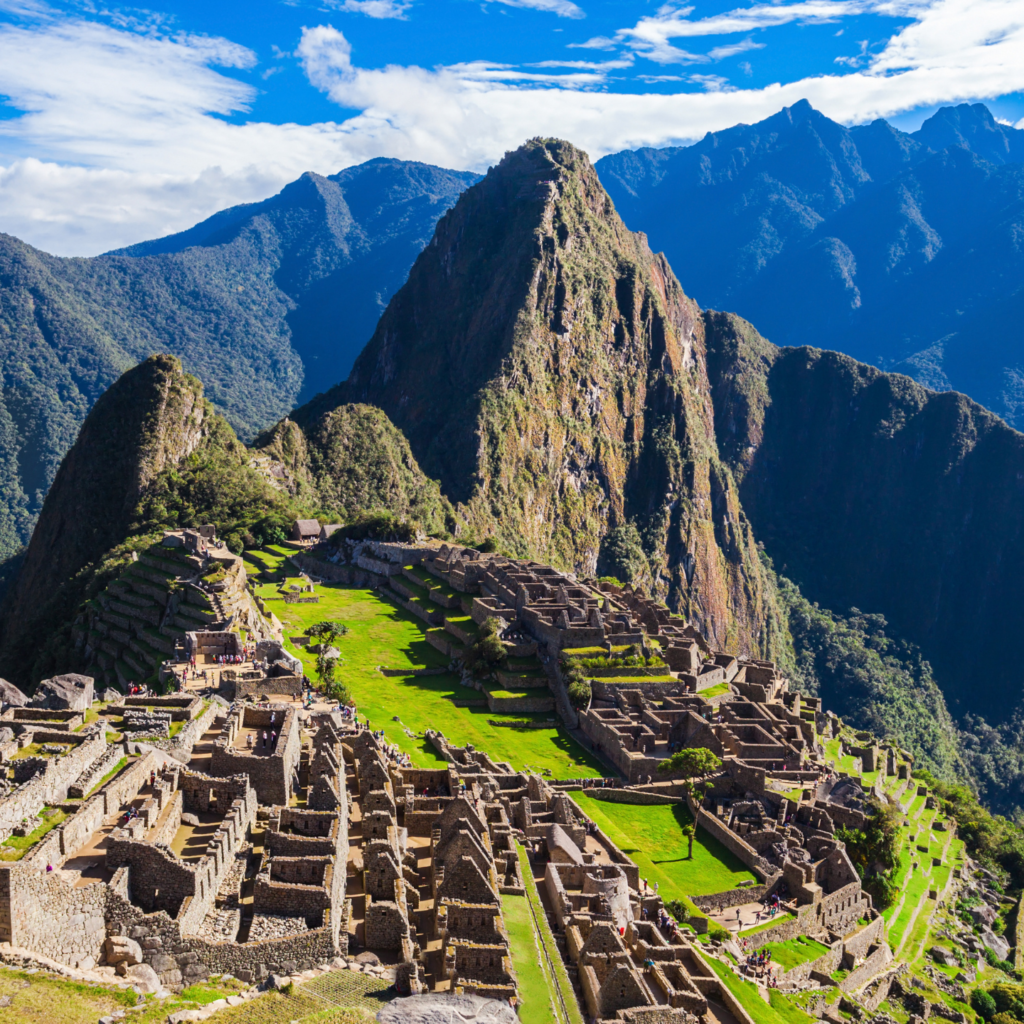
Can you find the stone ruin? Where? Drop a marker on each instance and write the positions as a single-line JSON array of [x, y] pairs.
[[254, 857]]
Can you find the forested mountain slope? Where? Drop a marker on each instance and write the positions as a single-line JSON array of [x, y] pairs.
[[870, 491], [903, 250], [258, 301]]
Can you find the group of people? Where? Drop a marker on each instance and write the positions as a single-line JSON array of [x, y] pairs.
[[259, 742], [760, 963]]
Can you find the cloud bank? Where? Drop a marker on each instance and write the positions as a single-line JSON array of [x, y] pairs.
[[124, 138]]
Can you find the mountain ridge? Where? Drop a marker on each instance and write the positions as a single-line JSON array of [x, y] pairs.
[[899, 249], [284, 290]]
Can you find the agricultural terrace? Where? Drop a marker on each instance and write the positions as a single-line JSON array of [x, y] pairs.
[[383, 635], [652, 837]]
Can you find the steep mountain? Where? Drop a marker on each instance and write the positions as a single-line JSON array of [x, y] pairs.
[[352, 461], [871, 492], [152, 455], [151, 419], [259, 301], [899, 249], [549, 370]]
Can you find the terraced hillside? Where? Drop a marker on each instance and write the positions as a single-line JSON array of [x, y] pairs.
[[137, 622]]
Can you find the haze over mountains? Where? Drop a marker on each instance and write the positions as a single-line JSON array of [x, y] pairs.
[[903, 250], [266, 302]]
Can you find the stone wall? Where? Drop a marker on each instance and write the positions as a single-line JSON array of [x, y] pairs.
[[271, 775], [732, 897], [878, 959], [290, 685], [632, 796], [51, 785], [731, 841], [41, 912]]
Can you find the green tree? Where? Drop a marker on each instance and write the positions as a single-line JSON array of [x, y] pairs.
[[327, 634], [695, 764], [983, 1004], [874, 851], [487, 652]]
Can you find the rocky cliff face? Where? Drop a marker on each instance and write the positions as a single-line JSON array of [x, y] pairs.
[[872, 492], [149, 420], [548, 369]]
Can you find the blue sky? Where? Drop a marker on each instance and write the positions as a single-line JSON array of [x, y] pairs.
[[121, 123]]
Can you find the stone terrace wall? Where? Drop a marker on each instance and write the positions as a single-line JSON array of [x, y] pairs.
[[732, 842], [880, 958], [632, 796], [180, 747], [51, 786]]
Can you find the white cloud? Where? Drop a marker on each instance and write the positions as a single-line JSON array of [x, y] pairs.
[[124, 137], [650, 36], [711, 83], [563, 8], [732, 49], [373, 8]]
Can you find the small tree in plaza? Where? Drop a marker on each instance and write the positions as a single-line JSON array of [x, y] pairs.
[[695, 764], [327, 634]]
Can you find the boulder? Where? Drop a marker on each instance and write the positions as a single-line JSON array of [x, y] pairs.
[[943, 956], [69, 692], [111, 696], [11, 696], [996, 943], [144, 979], [438, 1007], [120, 949], [983, 915], [278, 981]]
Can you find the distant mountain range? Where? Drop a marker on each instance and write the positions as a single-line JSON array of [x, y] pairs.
[[267, 303], [903, 250]]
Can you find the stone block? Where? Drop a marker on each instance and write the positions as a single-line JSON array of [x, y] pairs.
[[152, 943], [144, 978], [119, 949], [161, 962]]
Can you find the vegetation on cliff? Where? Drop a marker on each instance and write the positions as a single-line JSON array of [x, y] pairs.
[[260, 301], [352, 461], [868, 491], [549, 370]]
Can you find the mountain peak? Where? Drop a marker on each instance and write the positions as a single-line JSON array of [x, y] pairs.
[[972, 126], [548, 369]]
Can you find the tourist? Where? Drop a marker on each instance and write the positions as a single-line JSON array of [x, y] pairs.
[[273, 738], [264, 737], [248, 741]]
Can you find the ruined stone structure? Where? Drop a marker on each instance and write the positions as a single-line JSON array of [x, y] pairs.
[[293, 834]]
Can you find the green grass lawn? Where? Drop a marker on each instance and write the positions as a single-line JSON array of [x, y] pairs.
[[793, 952], [15, 847], [536, 1006], [561, 977], [383, 634], [714, 691], [779, 1011], [652, 837]]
